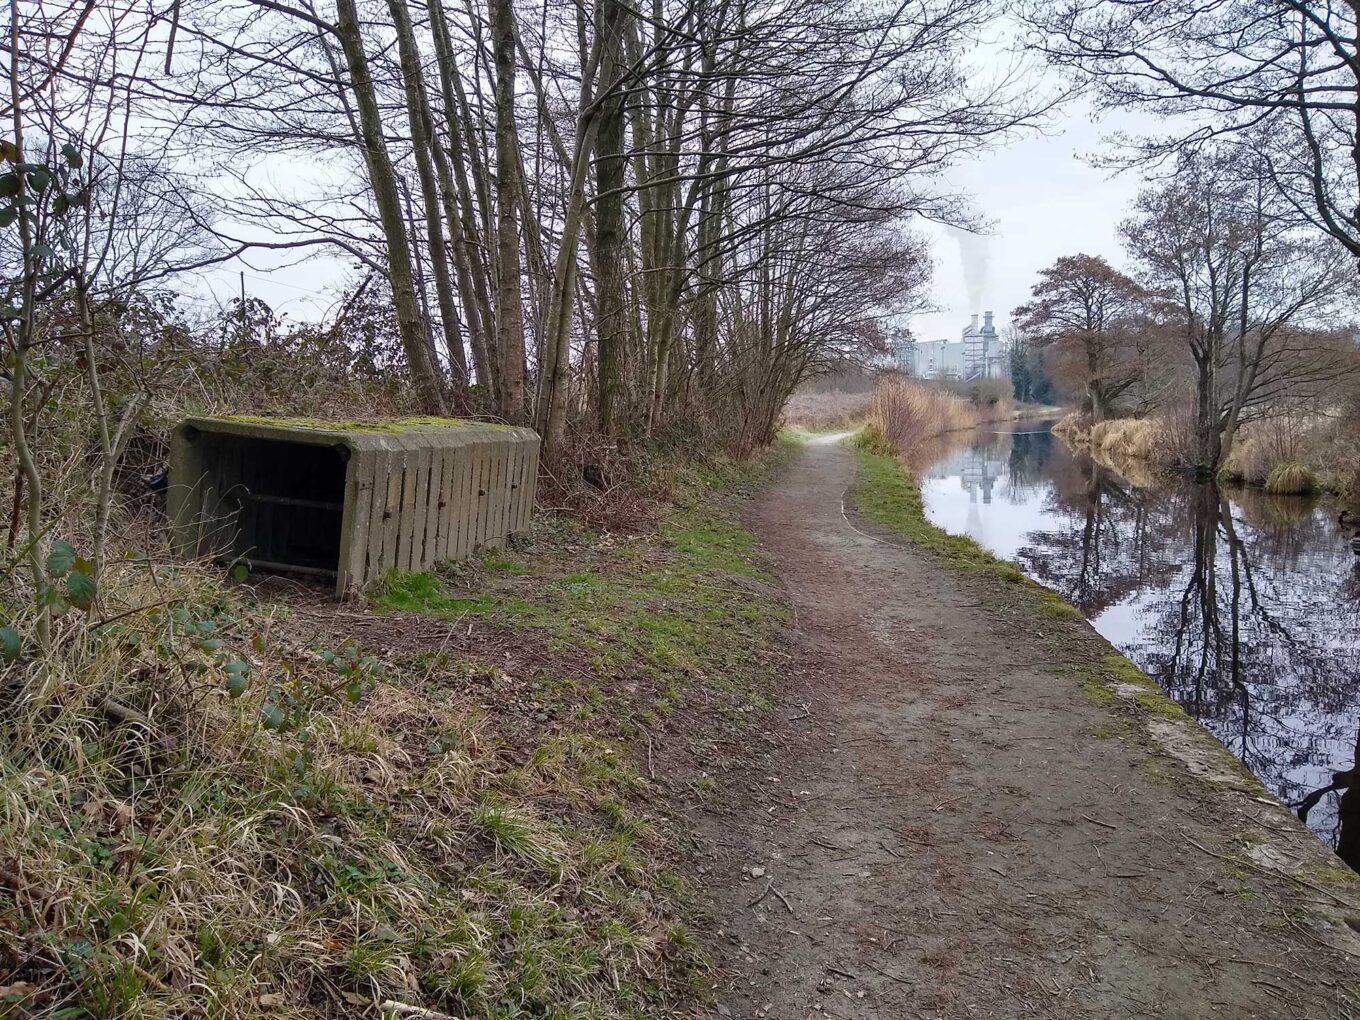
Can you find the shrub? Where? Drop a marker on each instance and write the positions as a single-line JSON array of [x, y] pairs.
[[1075, 430], [905, 412], [1291, 479], [1124, 438]]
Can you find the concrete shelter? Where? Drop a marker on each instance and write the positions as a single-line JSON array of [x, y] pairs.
[[349, 500]]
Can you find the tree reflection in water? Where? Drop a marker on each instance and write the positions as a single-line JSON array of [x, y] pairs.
[[1243, 606]]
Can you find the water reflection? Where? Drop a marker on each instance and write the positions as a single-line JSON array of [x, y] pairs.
[[1243, 606]]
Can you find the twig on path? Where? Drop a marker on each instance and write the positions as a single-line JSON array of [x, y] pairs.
[[769, 888], [890, 977], [1097, 821], [765, 892], [840, 973]]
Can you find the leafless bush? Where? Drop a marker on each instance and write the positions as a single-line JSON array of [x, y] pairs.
[[905, 412], [825, 411]]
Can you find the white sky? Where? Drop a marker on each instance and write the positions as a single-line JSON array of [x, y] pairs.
[[1044, 201]]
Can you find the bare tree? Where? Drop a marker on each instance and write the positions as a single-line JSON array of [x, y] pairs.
[[1090, 311], [1285, 73], [1244, 283]]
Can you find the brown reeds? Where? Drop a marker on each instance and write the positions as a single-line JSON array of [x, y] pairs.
[[906, 412]]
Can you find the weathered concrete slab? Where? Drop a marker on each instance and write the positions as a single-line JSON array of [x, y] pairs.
[[352, 500]]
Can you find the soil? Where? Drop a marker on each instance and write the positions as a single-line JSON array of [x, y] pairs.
[[946, 824]]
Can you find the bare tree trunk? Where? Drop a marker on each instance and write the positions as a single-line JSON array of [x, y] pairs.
[[557, 329], [418, 116], [460, 210], [414, 336], [611, 318], [510, 305]]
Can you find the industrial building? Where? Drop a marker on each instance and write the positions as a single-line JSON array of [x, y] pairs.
[[978, 354]]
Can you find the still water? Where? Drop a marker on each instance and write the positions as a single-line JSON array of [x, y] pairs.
[[1244, 607]]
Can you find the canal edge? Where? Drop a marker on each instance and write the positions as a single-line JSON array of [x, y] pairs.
[[884, 504]]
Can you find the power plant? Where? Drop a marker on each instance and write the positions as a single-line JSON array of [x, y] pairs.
[[978, 354]]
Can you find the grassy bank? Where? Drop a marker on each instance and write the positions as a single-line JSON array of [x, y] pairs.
[[888, 496], [1284, 457], [232, 802]]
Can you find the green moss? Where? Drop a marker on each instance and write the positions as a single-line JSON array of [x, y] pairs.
[[1094, 686], [1122, 669], [1148, 695], [1160, 704], [1111, 729], [502, 561], [425, 593], [383, 425], [1335, 875]]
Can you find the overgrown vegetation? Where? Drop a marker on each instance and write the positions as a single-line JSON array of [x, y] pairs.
[[1288, 455], [907, 412], [215, 804]]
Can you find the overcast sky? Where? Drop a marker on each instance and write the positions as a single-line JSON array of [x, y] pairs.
[[1045, 201]]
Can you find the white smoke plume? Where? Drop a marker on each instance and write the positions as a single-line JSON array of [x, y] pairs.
[[974, 253]]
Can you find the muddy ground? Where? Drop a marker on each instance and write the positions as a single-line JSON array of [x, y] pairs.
[[949, 824]]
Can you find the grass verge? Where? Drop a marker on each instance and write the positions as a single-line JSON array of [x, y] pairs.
[[467, 814], [888, 496]]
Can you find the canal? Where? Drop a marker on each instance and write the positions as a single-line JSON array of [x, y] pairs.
[[1244, 607]]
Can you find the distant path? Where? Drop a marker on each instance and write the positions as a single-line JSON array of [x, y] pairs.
[[948, 828]]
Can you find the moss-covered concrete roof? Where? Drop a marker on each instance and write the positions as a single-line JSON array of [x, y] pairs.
[[378, 433], [386, 425]]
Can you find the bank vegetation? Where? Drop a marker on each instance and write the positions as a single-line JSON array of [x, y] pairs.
[[1227, 349], [1232, 322], [637, 231]]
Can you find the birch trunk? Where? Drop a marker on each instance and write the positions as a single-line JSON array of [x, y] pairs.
[[509, 300], [460, 210], [611, 319]]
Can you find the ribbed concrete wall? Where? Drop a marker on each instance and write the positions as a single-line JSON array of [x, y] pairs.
[[403, 495]]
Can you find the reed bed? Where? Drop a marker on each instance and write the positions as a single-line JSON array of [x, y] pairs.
[[905, 412]]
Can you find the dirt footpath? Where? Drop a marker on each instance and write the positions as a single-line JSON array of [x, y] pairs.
[[949, 826]]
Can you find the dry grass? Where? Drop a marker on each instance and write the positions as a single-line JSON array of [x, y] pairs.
[[1261, 447], [184, 856], [1074, 429], [1291, 479], [1137, 449], [825, 412], [469, 832], [1118, 438], [1131, 438], [906, 412], [1289, 454]]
